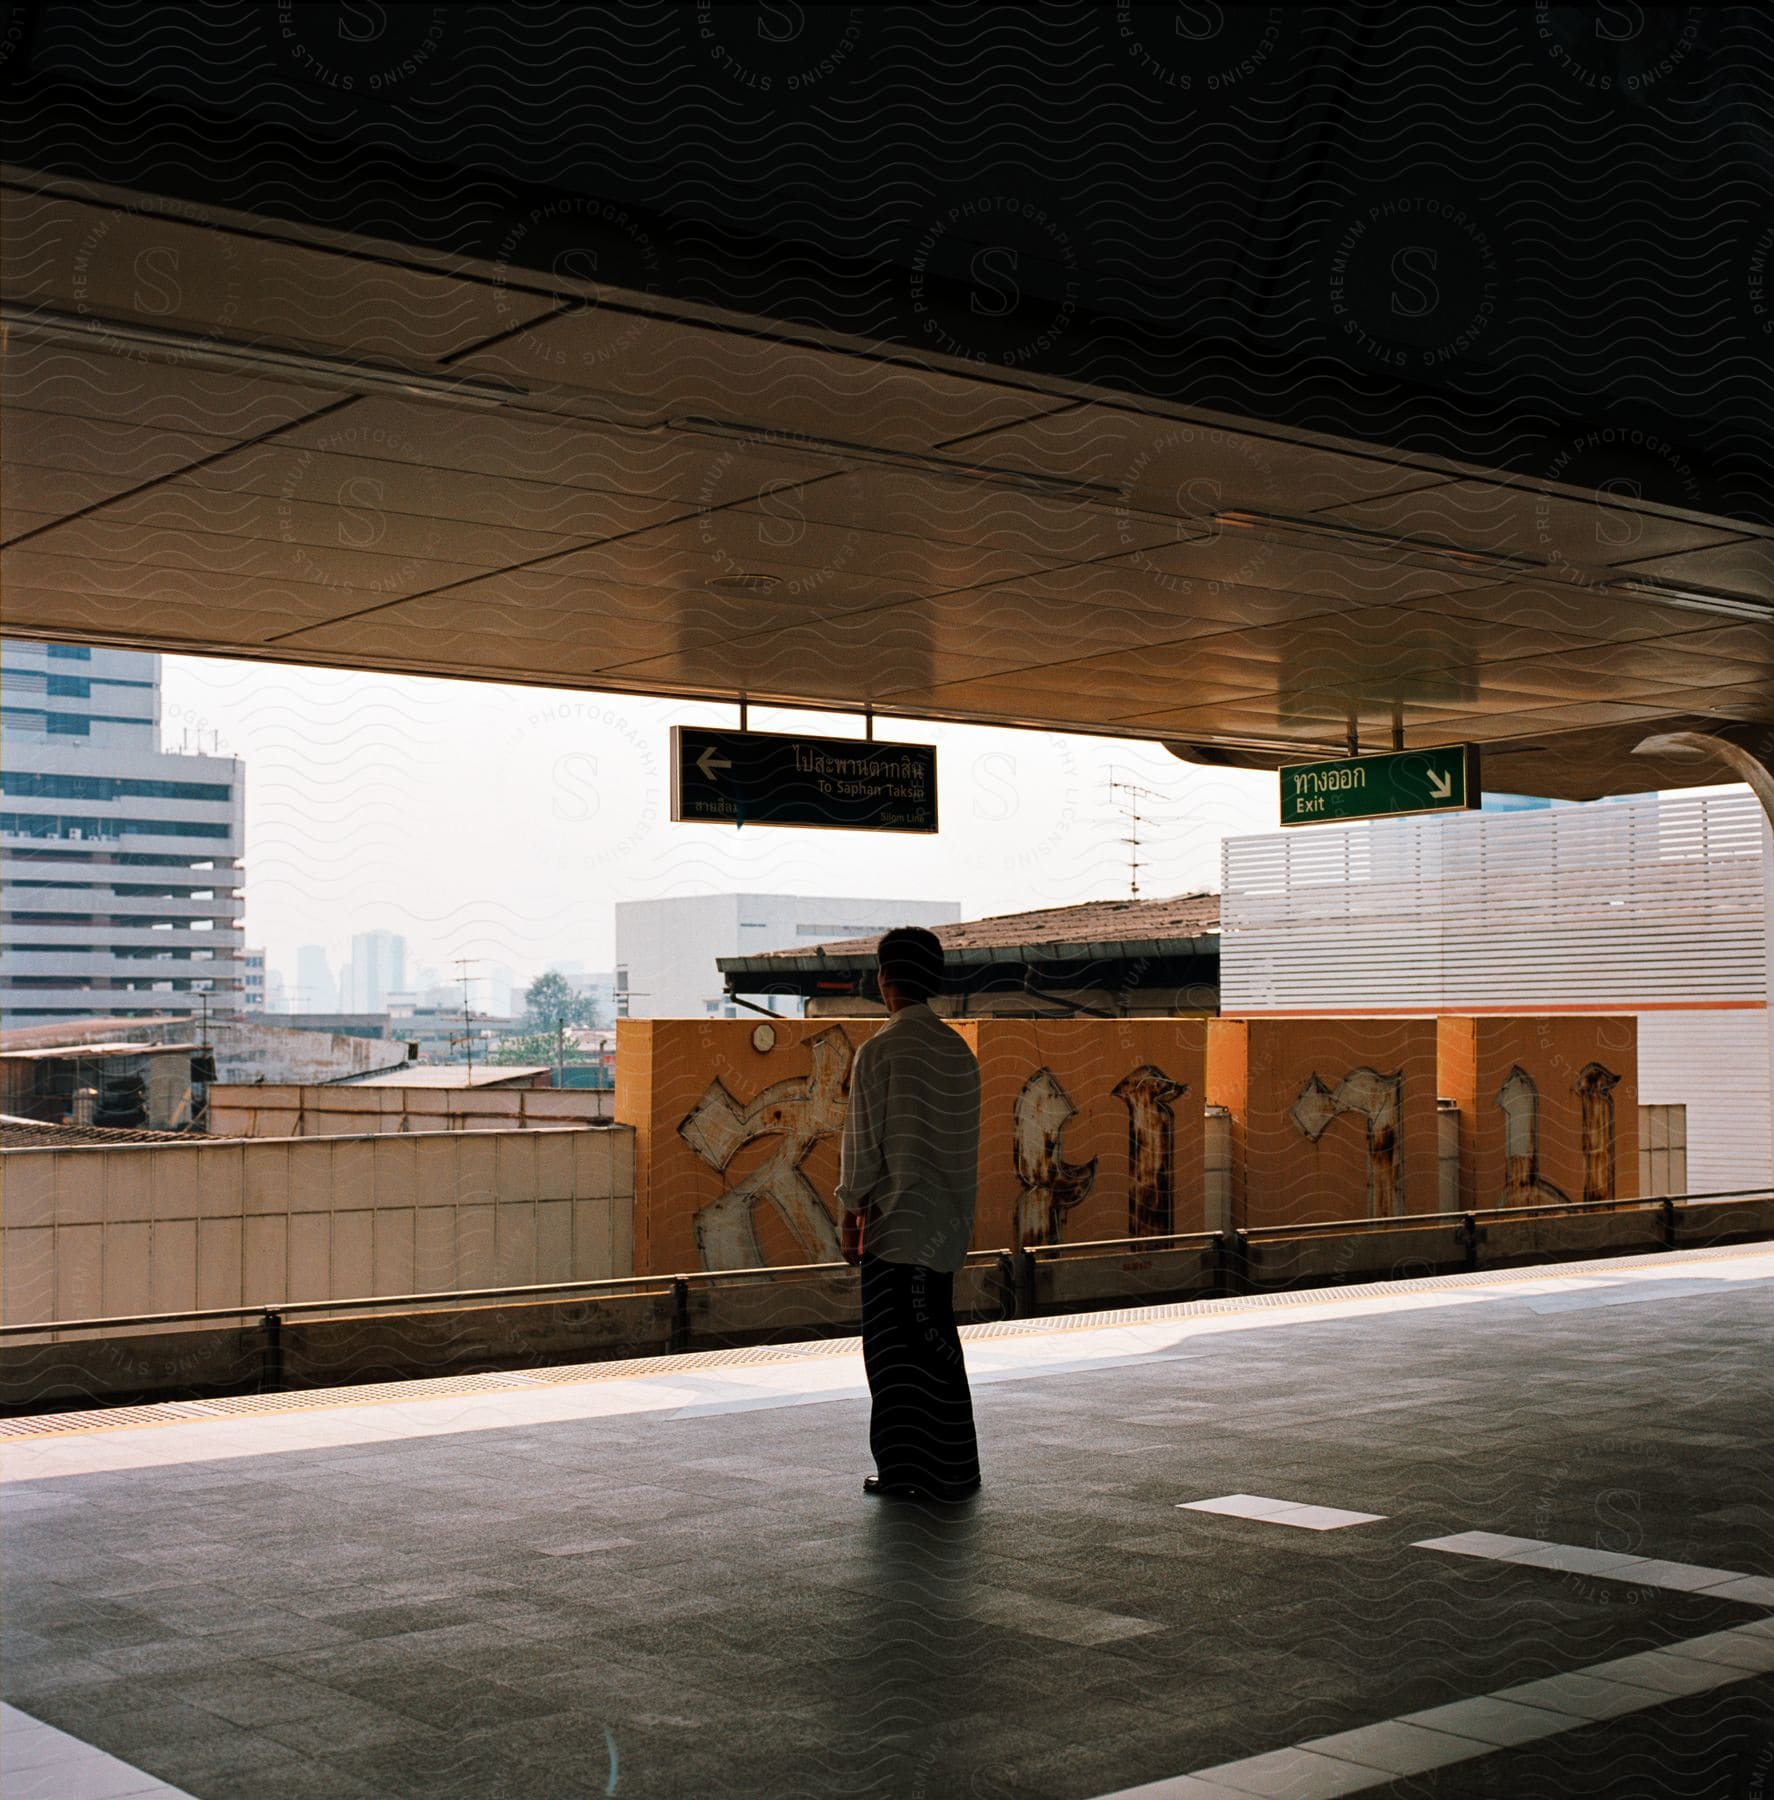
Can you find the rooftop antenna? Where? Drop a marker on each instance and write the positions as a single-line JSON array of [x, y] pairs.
[[1135, 794], [462, 963]]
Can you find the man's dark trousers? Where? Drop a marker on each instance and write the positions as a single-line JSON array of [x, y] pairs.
[[921, 1426]]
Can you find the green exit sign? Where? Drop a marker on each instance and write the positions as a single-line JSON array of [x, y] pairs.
[[1382, 787]]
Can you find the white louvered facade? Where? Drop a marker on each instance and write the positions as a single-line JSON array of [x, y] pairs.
[[1659, 907]]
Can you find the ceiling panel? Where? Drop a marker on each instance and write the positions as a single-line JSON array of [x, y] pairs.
[[16, 521], [1247, 558], [1190, 468], [1122, 585], [389, 637], [109, 262], [53, 494], [680, 559], [581, 587], [1007, 623], [1749, 647], [46, 378], [1530, 711], [124, 455], [328, 478], [575, 627], [958, 509], [1521, 521], [779, 661], [1745, 567], [351, 571], [167, 609], [1740, 702], [559, 451], [1575, 610], [805, 560], [659, 369], [359, 519]]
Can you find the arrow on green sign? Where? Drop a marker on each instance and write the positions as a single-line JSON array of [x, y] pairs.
[[1445, 779]]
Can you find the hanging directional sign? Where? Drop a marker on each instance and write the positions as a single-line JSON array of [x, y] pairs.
[[766, 778], [1382, 787]]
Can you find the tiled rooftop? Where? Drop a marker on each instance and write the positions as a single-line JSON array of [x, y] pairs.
[[39, 1134], [1096, 922]]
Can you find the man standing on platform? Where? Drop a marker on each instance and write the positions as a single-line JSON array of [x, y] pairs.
[[907, 1184]]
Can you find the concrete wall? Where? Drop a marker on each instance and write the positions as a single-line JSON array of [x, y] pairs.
[[247, 1050], [99, 1232], [279, 1109]]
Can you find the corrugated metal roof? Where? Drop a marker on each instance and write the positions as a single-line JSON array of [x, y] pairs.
[[39, 1134], [84, 1031], [447, 1075], [1097, 929], [61, 1052]]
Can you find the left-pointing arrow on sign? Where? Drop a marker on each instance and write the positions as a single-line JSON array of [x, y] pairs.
[[709, 761], [1441, 787]]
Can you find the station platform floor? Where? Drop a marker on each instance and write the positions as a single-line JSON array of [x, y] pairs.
[[1500, 1535]]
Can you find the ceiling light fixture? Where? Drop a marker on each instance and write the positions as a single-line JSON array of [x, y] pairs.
[[111, 337]]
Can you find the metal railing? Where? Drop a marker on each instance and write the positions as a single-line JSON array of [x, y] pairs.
[[655, 1286]]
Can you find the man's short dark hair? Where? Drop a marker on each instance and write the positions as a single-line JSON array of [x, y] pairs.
[[911, 958]]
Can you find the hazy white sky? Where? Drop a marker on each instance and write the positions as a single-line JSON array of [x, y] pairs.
[[502, 823]]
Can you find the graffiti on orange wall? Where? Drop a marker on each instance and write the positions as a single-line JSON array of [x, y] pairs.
[[1088, 1129], [1147, 1094], [797, 1113], [1051, 1186], [1519, 1101], [1595, 1093], [1377, 1099]]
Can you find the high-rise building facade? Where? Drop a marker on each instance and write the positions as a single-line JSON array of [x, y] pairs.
[[253, 974], [378, 968], [121, 890], [317, 988], [666, 949]]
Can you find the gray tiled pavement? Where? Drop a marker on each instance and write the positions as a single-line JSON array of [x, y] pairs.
[[655, 1606]]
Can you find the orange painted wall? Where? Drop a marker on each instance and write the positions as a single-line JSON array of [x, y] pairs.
[[686, 1081], [667, 1069], [1088, 1058], [1479, 1058], [1264, 1071]]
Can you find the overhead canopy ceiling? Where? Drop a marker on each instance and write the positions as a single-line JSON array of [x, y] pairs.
[[225, 436]]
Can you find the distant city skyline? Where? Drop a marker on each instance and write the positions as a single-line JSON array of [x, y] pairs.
[[503, 824]]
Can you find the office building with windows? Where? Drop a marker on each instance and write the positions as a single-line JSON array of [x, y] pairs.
[[120, 895]]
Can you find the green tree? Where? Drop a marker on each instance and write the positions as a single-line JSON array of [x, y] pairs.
[[550, 1001], [530, 1049]]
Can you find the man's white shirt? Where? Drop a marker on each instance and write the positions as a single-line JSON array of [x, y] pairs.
[[910, 1152]]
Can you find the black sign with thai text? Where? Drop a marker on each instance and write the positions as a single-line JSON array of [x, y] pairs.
[[765, 778]]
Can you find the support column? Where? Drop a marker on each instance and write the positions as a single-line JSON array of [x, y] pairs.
[[1747, 751]]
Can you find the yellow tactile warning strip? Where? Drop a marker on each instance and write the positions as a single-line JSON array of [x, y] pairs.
[[184, 1412]]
